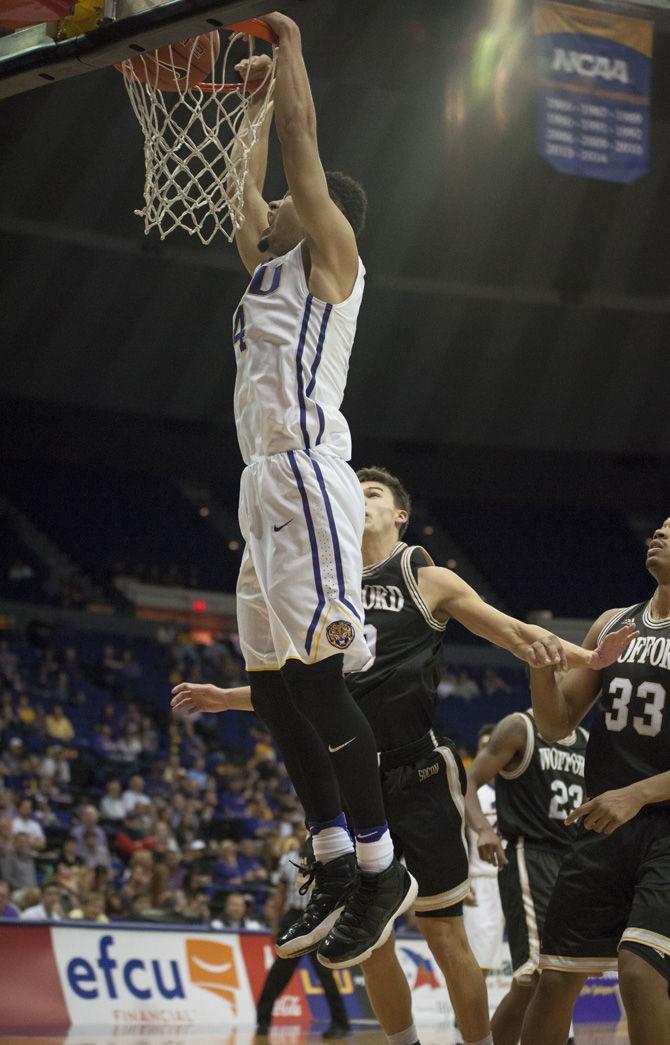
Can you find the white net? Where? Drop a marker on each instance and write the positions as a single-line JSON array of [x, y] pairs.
[[197, 139]]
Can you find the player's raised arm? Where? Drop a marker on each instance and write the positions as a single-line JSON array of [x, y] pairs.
[[330, 237], [507, 745], [449, 596], [254, 70], [188, 698], [560, 704]]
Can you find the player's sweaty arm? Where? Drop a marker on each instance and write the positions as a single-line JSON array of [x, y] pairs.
[[188, 698], [330, 237], [504, 751], [561, 703], [255, 70], [448, 595]]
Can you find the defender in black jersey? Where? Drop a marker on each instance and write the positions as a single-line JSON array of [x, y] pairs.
[[538, 783], [408, 601], [611, 903]]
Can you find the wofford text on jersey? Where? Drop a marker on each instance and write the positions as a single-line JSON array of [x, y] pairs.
[[647, 649], [383, 597], [561, 761]]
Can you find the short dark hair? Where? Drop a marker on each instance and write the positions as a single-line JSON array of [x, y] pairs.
[[350, 196], [401, 499]]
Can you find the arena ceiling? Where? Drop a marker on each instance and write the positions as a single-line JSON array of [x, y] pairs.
[[507, 305]]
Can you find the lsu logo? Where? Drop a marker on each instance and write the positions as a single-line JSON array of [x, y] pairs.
[[591, 65], [340, 634], [211, 966]]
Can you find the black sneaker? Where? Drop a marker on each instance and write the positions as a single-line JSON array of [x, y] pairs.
[[337, 1030], [368, 917], [332, 884]]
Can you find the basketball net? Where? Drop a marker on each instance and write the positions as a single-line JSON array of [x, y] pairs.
[[197, 142]]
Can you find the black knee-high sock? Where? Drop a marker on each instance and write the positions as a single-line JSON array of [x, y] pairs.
[[305, 757], [319, 692]]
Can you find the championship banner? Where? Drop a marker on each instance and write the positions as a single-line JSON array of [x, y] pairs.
[[594, 84]]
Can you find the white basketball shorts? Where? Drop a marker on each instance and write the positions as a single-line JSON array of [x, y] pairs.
[[299, 589]]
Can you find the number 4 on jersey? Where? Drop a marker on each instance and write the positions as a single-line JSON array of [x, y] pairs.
[[239, 329]]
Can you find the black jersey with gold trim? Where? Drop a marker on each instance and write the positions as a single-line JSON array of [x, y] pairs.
[[398, 692], [534, 798], [630, 736]]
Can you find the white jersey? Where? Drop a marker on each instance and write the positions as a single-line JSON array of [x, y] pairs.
[[292, 352]]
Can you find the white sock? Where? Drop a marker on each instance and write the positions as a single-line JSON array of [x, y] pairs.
[[374, 849], [331, 843], [330, 838], [488, 1040], [404, 1037]]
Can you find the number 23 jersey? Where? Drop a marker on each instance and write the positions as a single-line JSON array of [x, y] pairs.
[[630, 736], [534, 798]]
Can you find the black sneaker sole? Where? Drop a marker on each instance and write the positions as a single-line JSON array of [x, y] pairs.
[[358, 959], [310, 941]]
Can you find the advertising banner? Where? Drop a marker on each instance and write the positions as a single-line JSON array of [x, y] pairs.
[[594, 85], [120, 977]]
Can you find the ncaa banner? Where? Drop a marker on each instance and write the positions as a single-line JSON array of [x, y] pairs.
[[594, 84]]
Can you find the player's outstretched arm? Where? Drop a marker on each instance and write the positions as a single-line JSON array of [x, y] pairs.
[[254, 70], [331, 239], [449, 596], [188, 698], [505, 748]]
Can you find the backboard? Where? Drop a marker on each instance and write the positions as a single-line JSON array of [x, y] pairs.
[[78, 36]]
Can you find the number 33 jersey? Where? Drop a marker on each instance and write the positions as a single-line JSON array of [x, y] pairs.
[[630, 737], [534, 798]]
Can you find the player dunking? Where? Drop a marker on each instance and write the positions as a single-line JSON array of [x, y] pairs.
[[537, 784], [408, 601], [613, 890], [299, 607]]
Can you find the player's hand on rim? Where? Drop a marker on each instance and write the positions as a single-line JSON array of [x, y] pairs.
[[608, 811], [189, 698], [255, 72]]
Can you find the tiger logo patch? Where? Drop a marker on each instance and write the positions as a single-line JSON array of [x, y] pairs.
[[340, 634]]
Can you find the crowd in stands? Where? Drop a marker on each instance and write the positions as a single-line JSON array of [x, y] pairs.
[[111, 808]]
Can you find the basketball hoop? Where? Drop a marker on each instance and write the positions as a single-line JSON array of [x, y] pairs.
[[199, 129]]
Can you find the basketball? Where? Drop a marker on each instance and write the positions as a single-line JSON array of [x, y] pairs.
[[162, 69]]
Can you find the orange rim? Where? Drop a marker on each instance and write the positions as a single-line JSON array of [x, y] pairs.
[[251, 27]]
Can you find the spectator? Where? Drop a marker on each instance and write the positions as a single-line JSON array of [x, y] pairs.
[[18, 867], [25, 712], [250, 866], [494, 684], [235, 915], [92, 853], [198, 772], [466, 687], [55, 764], [69, 855], [91, 910], [49, 907], [25, 822], [7, 909], [134, 794], [447, 684], [112, 806], [88, 821], [59, 726], [227, 872], [131, 836]]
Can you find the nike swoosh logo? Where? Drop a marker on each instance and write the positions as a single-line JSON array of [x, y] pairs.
[[278, 528], [370, 834], [340, 746]]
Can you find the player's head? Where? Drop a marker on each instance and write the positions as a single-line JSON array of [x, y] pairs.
[[387, 503], [658, 553], [285, 230]]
